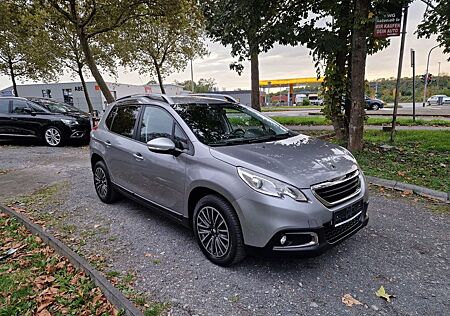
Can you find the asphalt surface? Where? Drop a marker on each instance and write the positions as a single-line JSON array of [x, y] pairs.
[[405, 248]]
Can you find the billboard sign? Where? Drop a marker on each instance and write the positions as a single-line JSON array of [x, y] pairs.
[[388, 25]]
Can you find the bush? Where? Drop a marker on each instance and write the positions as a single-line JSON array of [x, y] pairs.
[[306, 102]]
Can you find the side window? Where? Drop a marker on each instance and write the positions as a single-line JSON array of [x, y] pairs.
[[4, 106], [35, 107], [110, 118], [155, 123], [18, 106], [124, 120]]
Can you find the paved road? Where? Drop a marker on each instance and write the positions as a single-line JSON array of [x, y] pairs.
[[405, 248], [434, 111], [369, 127]]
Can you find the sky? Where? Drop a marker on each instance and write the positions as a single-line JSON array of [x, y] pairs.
[[291, 62]]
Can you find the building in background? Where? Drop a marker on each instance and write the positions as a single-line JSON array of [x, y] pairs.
[[72, 92], [243, 96]]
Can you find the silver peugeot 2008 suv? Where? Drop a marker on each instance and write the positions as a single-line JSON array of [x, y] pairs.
[[241, 181]]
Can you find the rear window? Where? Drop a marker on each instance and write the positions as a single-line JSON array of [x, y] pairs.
[[4, 105], [122, 120]]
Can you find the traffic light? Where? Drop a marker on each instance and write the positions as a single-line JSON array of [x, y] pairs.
[[430, 78]]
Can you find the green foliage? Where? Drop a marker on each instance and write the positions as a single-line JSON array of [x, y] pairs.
[[202, 86], [306, 102], [436, 20], [159, 46], [25, 46]]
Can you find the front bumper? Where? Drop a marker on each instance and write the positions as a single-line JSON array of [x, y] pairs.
[[265, 220], [79, 132], [316, 241]]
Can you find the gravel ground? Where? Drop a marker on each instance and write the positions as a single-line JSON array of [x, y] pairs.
[[405, 248]]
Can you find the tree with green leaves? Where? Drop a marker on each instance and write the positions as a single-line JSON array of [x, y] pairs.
[[94, 18], [24, 44], [202, 86], [159, 46], [250, 27], [436, 20]]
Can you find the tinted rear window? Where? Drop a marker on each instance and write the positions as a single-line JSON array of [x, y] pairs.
[[4, 105], [123, 120]]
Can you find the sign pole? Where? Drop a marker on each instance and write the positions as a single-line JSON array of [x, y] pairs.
[[413, 65], [399, 73]]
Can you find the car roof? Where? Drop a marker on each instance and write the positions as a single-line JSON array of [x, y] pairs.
[[179, 99], [12, 97]]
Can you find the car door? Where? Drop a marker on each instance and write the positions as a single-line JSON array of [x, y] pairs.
[[120, 144], [25, 121], [161, 176], [5, 117]]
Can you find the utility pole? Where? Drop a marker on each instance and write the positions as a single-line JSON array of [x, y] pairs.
[[399, 73], [439, 75], [426, 76], [413, 65], [192, 77]]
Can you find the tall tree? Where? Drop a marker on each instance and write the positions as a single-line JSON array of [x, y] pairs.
[[436, 20], [163, 45], [250, 27], [24, 44], [202, 86], [92, 18]]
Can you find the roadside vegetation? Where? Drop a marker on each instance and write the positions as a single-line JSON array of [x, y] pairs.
[[37, 281], [320, 120], [416, 157]]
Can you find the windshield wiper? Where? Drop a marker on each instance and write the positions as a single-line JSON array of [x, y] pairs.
[[269, 138]]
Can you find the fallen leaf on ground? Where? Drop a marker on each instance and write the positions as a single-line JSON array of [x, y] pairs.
[[383, 294], [97, 226], [348, 300], [401, 174], [44, 313], [43, 279]]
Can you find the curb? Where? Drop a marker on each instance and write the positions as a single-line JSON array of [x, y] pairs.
[[401, 186], [110, 292]]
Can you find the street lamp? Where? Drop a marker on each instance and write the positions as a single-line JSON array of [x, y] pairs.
[[426, 76]]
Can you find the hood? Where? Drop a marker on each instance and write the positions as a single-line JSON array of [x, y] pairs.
[[300, 160], [79, 116]]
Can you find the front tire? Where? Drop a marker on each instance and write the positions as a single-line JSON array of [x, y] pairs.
[[218, 231], [53, 136], [103, 185], [375, 107]]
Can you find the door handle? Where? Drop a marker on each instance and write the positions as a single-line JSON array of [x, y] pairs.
[[108, 143], [138, 156]]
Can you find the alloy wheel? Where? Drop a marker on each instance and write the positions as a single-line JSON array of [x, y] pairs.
[[101, 183], [52, 136], [213, 231]]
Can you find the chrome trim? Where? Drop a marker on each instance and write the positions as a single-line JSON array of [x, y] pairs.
[[18, 135], [348, 220], [313, 242], [350, 231], [331, 183]]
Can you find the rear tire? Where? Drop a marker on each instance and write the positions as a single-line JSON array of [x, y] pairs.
[[218, 231], [103, 185], [53, 136], [375, 107]]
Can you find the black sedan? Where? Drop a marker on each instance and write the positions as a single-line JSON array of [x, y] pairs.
[[374, 104], [23, 118]]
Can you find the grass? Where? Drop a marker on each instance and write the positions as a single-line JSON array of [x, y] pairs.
[[418, 157], [37, 280], [292, 108], [320, 120]]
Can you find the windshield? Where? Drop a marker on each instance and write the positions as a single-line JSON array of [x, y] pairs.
[[229, 124], [56, 107]]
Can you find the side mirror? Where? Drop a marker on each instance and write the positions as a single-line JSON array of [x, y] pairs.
[[161, 145], [27, 110]]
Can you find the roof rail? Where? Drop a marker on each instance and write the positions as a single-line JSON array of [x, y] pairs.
[[215, 96], [152, 96]]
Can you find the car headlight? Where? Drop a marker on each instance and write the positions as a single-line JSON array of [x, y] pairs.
[[269, 186], [69, 122]]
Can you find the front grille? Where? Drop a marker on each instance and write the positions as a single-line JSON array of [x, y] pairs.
[[333, 234], [337, 191], [347, 212]]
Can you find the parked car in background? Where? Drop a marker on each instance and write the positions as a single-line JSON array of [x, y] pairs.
[[438, 99], [241, 181], [373, 104], [23, 118]]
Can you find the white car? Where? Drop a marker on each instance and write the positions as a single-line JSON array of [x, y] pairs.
[[436, 99]]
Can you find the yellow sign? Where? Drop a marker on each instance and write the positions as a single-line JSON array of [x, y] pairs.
[[286, 82]]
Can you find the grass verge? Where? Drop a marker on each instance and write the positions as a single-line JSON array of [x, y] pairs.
[[320, 120], [290, 108], [37, 281], [418, 157]]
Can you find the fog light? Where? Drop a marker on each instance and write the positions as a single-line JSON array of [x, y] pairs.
[[283, 240]]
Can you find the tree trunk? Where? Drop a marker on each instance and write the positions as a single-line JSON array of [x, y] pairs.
[[255, 81], [94, 69], [358, 68], [160, 80], [86, 93], [13, 77]]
